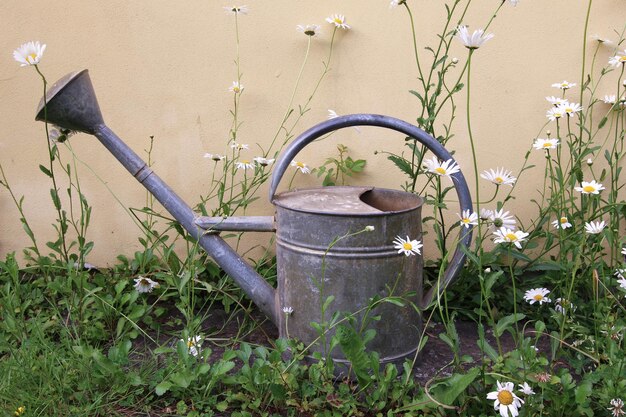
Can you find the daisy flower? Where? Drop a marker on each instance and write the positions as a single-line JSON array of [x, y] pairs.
[[617, 407], [309, 30], [239, 146], [339, 21], [236, 9], [564, 85], [610, 99], [395, 3], [526, 389], [501, 218], [622, 283], [555, 113], [505, 401], [620, 273], [562, 222], [214, 156], [244, 164], [485, 214], [408, 247], [537, 295], [193, 344], [506, 235], [548, 143], [288, 310], [592, 187], [236, 87], [514, 2], [468, 219], [605, 41], [594, 228], [301, 166], [616, 60], [561, 305], [144, 285], [571, 108], [499, 177], [29, 53], [556, 100], [473, 41], [263, 161], [435, 166]]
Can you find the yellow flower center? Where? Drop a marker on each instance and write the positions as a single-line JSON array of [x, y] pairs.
[[407, 246], [300, 164], [505, 397], [245, 162], [32, 57], [563, 220], [547, 145], [589, 188], [440, 170], [338, 21], [564, 85], [538, 297], [465, 220], [622, 58], [190, 343], [499, 180], [511, 237]]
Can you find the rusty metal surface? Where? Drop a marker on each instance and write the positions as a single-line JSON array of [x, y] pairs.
[[237, 223]]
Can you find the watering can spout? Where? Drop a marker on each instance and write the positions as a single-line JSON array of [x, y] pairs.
[[71, 104]]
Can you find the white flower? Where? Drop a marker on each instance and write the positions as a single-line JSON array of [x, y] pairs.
[[564, 85], [244, 164], [537, 295], [610, 99], [548, 143], [514, 2], [620, 273], [144, 285], [239, 146], [501, 218], [594, 228], [435, 166], [505, 235], [525, 388], [369, 228], [592, 187], [301, 166], [236, 88], [263, 161], [214, 156], [339, 21], [555, 113], [622, 283], [236, 9], [468, 219], [395, 3], [560, 305], [617, 407], [571, 108], [589, 161], [193, 345], [29, 53], [309, 30], [408, 247], [288, 310], [475, 40], [556, 100], [505, 401], [602, 40], [485, 214], [562, 222], [624, 251], [616, 60], [499, 177]]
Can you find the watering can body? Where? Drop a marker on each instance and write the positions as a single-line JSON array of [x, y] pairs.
[[322, 248]]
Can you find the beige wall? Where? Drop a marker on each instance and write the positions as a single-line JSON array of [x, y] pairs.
[[163, 68]]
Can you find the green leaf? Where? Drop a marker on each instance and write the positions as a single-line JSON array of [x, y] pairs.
[[402, 164], [353, 347], [582, 392], [162, 388], [505, 322], [45, 171], [456, 384]]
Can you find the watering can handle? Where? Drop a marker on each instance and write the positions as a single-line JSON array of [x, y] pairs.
[[462, 190]]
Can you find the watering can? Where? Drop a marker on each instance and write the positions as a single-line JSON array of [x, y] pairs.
[[322, 247]]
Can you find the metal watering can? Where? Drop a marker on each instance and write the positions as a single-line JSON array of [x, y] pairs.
[[319, 254]]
